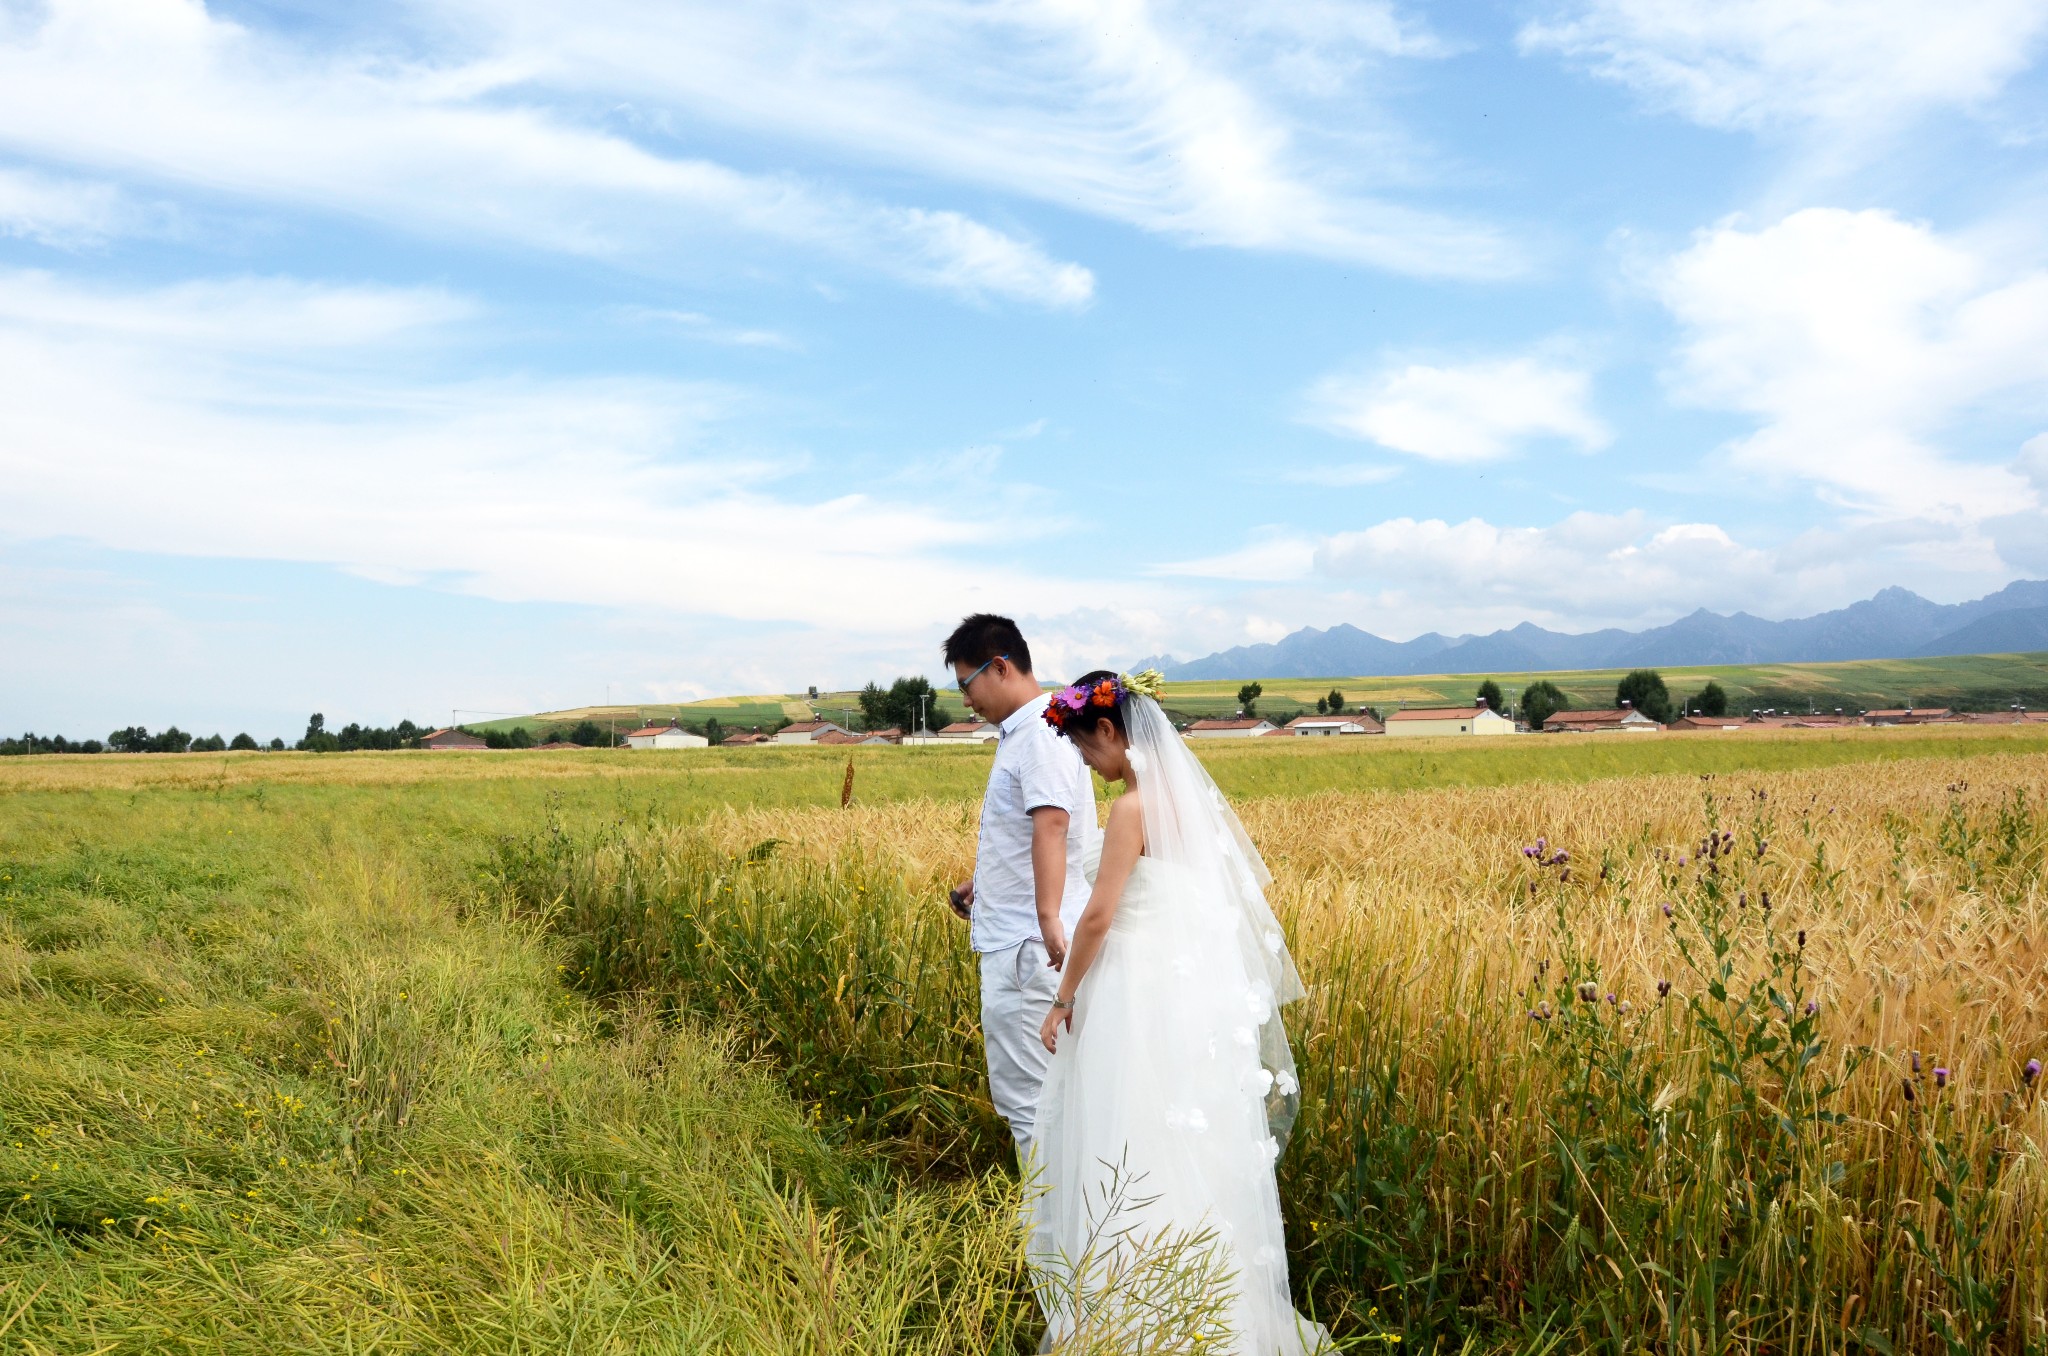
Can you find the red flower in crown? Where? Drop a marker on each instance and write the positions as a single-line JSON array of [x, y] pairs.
[[1106, 693]]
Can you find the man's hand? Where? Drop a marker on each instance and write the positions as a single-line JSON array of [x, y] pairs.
[[961, 898], [1055, 942]]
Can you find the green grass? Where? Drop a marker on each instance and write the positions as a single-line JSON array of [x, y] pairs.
[[277, 1073]]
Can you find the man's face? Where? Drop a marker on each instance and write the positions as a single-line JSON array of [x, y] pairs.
[[973, 679]]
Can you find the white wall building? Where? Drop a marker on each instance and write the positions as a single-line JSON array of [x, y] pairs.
[[669, 736], [1244, 727], [1448, 720], [1333, 725], [806, 731], [970, 732]]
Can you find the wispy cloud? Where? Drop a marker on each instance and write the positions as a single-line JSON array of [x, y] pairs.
[[1854, 66], [168, 421], [1211, 124], [64, 212], [1468, 412], [696, 325], [1348, 475], [459, 146]]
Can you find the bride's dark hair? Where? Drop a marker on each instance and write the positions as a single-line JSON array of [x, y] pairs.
[[1092, 713]]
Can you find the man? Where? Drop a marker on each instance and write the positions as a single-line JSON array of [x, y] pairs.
[[1028, 889]]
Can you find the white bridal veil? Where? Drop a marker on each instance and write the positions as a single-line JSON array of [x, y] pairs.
[[1189, 826]]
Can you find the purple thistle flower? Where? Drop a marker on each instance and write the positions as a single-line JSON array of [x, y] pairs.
[[1663, 988], [1542, 844], [1916, 1064], [1802, 939], [2031, 1072], [1767, 901], [1812, 1007], [1906, 1085], [1528, 852], [1742, 899], [1940, 1076], [1624, 1007], [1762, 844], [1589, 993], [1681, 859], [1610, 1000], [1667, 910], [1560, 857]]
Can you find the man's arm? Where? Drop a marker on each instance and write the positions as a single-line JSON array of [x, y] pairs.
[[1049, 877]]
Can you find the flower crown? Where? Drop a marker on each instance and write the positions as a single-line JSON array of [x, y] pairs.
[[1072, 700]]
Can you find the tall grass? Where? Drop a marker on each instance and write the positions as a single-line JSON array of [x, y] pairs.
[[1540, 1110], [282, 1080]]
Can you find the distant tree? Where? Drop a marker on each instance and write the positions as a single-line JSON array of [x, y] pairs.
[[1541, 700], [1248, 698], [1644, 690], [242, 741], [714, 730], [315, 724], [904, 705], [1336, 702], [211, 744], [276, 745], [588, 733], [1711, 701], [1489, 692], [1322, 706], [519, 738], [172, 740], [133, 739]]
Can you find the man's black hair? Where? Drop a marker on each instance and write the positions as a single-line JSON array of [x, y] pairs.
[[983, 636]]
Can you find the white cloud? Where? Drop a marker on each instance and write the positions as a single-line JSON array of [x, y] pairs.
[[1853, 65], [1213, 124], [1857, 340], [59, 211], [1349, 475], [127, 420], [163, 89], [1478, 411], [1275, 554], [697, 325]]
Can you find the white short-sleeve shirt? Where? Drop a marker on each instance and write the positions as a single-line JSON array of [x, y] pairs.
[[1034, 768]]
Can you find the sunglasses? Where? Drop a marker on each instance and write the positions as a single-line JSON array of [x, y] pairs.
[[977, 673]]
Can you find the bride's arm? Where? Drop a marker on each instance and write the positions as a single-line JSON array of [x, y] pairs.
[[1123, 839]]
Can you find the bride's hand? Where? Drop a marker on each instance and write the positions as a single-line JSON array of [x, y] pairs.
[[1055, 1018]]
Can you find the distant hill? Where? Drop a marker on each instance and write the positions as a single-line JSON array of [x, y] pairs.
[[1893, 624]]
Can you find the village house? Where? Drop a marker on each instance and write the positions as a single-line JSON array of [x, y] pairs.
[[1448, 720], [1625, 719], [1241, 727], [1732, 721], [747, 740], [669, 736], [452, 739], [1361, 723], [806, 732], [839, 737], [970, 731], [1909, 716]]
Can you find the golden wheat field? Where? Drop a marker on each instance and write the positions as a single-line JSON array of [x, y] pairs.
[[1719, 1059]]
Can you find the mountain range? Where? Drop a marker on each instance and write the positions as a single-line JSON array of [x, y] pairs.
[[1895, 623]]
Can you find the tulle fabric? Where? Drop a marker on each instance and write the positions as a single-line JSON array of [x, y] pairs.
[[1153, 1127]]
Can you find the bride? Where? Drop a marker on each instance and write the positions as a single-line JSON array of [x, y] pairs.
[[1171, 1087]]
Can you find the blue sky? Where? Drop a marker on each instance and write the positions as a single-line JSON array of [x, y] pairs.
[[391, 359]]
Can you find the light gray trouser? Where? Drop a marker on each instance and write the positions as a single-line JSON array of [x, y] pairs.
[[1017, 989]]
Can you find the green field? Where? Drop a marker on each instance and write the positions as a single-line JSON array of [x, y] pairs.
[[1965, 682], [615, 1051]]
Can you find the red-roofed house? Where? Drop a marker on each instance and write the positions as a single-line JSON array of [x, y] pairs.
[[805, 731], [970, 731], [669, 736], [1908, 716], [1625, 719], [1448, 720], [452, 739], [1361, 723], [1242, 727]]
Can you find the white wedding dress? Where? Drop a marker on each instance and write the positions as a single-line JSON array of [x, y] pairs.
[[1156, 1123]]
